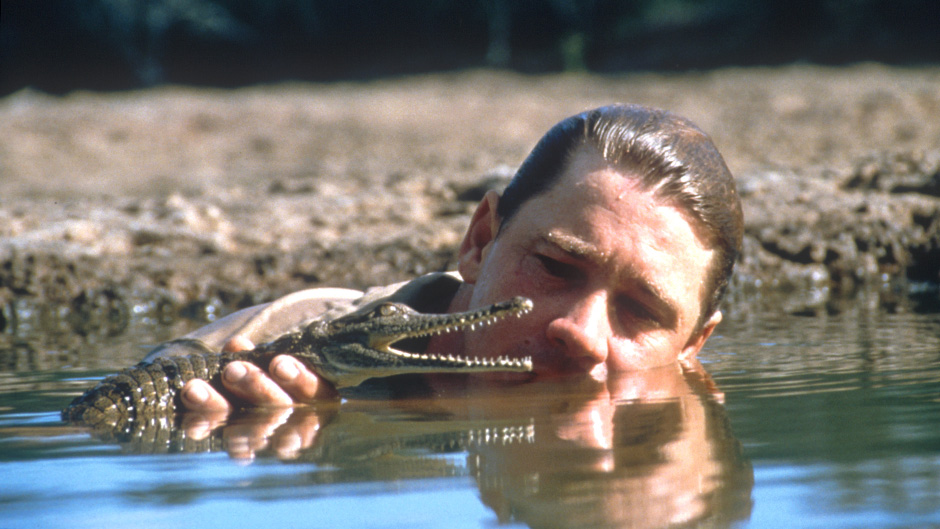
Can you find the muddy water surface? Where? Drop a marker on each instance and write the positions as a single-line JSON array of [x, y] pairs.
[[823, 419]]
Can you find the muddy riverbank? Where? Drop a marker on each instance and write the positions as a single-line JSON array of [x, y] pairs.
[[178, 201]]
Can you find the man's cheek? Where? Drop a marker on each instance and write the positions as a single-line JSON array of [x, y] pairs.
[[507, 338], [526, 281]]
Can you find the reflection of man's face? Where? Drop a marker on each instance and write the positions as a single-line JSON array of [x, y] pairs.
[[590, 423], [616, 275], [651, 449]]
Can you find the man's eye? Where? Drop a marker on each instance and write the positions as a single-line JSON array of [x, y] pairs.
[[635, 311], [558, 268]]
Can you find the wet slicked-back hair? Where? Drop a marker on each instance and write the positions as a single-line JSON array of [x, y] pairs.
[[667, 154]]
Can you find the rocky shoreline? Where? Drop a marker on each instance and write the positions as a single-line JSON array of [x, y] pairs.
[[179, 202]]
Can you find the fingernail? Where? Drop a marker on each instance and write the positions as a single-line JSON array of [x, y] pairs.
[[197, 394], [235, 372], [286, 370]]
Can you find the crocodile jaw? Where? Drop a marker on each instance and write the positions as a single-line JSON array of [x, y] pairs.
[[446, 323], [350, 364]]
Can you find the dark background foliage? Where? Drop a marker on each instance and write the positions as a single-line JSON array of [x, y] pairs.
[[62, 45]]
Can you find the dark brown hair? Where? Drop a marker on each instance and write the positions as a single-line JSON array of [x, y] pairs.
[[669, 156]]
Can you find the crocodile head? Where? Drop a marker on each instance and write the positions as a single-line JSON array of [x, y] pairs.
[[359, 346]]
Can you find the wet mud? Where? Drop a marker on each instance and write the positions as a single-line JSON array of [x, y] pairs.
[[180, 202]]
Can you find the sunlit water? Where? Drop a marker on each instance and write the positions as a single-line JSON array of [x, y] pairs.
[[829, 419]]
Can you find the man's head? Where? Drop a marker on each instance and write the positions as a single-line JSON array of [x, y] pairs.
[[622, 226], [667, 154]]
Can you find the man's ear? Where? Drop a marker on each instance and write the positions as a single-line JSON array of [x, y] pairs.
[[484, 225], [698, 339]]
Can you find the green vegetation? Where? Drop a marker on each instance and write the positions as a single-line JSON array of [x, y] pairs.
[[60, 45]]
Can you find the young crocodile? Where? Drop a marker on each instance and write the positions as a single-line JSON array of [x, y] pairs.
[[345, 351]]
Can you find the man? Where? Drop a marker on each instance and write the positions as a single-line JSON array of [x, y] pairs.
[[622, 226]]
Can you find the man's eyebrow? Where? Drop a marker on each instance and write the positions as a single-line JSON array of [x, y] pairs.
[[580, 249], [574, 246], [667, 310]]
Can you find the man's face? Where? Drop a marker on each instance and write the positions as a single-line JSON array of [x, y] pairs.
[[616, 275]]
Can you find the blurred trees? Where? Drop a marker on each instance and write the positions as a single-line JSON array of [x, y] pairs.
[[60, 45]]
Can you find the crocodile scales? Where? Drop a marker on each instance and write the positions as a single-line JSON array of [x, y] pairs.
[[345, 351]]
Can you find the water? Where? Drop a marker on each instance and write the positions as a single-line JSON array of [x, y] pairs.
[[822, 419]]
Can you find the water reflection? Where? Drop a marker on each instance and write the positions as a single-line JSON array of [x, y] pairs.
[[837, 412], [649, 449]]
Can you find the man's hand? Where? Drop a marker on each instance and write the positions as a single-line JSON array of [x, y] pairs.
[[287, 382], [284, 432]]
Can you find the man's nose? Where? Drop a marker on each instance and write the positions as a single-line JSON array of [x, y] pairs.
[[583, 329]]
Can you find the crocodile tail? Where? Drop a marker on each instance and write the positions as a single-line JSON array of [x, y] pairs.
[[147, 392], [109, 403]]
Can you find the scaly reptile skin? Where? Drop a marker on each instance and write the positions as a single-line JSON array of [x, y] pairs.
[[345, 351]]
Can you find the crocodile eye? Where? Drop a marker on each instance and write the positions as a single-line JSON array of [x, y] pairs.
[[387, 309]]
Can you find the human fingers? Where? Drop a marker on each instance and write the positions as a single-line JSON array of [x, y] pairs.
[[199, 396], [250, 383], [245, 437], [297, 434], [238, 343], [198, 426], [298, 381]]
